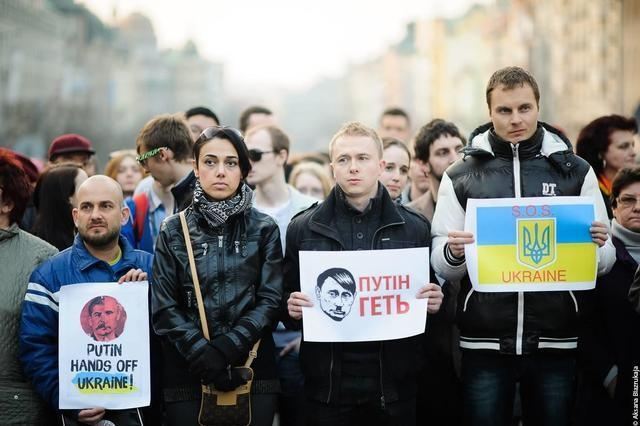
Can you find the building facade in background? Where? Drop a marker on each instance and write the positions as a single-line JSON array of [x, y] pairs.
[[62, 70]]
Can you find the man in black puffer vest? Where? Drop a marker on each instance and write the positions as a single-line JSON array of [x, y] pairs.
[[512, 337]]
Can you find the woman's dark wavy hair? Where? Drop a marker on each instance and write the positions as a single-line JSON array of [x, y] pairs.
[[593, 140], [232, 135], [54, 222], [15, 184]]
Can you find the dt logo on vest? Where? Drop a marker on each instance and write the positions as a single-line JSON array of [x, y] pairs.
[[536, 242]]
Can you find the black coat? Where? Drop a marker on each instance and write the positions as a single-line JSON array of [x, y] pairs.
[[316, 230], [240, 273], [610, 337]]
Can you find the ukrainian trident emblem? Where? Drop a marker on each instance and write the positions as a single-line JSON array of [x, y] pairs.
[[536, 242]]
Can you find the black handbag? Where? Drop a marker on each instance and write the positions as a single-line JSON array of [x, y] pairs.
[[219, 408]]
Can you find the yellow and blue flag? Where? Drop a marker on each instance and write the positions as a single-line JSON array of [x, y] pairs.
[[534, 245]]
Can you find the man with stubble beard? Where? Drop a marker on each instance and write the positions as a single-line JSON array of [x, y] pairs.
[[99, 254]]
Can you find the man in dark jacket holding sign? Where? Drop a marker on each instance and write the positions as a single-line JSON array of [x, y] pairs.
[[359, 383], [511, 337]]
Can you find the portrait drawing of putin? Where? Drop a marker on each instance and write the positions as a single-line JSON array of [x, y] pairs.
[[336, 291]]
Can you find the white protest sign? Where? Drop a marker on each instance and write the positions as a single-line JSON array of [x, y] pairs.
[[364, 295], [103, 349]]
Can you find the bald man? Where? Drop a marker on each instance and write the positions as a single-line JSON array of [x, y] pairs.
[[98, 254]]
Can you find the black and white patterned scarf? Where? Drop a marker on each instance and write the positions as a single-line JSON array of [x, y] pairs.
[[216, 213]]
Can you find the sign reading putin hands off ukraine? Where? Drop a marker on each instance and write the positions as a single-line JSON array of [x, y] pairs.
[[531, 244]]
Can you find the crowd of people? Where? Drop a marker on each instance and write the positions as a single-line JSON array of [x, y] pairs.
[[251, 206]]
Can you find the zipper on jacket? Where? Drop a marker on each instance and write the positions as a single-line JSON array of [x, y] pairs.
[[575, 302], [518, 194], [516, 171], [330, 376], [221, 268], [382, 403], [466, 300], [237, 244], [520, 329], [205, 246]]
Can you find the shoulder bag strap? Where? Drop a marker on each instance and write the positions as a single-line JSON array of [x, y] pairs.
[[194, 275], [253, 353]]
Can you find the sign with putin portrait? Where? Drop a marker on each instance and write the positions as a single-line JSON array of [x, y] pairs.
[[103, 349], [531, 244], [366, 295]]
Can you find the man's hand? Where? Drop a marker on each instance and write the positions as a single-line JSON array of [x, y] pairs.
[[133, 275], [433, 292], [599, 233], [457, 240], [293, 345], [295, 303], [91, 416]]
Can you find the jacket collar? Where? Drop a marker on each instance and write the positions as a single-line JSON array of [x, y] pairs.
[[546, 141], [185, 184], [10, 232], [86, 260], [324, 217], [622, 254]]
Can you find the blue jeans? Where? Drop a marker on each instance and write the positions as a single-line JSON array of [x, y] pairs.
[[547, 387]]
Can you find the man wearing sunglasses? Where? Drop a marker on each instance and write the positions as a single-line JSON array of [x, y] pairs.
[[268, 152]]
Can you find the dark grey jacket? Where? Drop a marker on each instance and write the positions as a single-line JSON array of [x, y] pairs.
[[20, 254]]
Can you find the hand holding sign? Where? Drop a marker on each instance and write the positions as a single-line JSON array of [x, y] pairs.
[[599, 233], [433, 294], [133, 275], [295, 303], [457, 241], [91, 416]]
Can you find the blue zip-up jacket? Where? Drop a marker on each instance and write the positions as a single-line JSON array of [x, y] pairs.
[[39, 324]]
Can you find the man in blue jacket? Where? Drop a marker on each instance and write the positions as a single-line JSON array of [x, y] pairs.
[[98, 254]]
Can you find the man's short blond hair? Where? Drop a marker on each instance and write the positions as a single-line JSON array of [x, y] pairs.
[[355, 128]]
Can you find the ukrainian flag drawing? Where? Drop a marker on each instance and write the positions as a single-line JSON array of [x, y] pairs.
[[537, 247]]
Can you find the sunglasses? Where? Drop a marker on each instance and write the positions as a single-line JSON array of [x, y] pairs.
[[211, 132], [142, 158], [256, 155]]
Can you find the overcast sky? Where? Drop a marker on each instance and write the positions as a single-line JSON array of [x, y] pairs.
[[280, 43]]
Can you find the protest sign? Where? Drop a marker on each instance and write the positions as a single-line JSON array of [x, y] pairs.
[[364, 295], [531, 244], [103, 350]]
